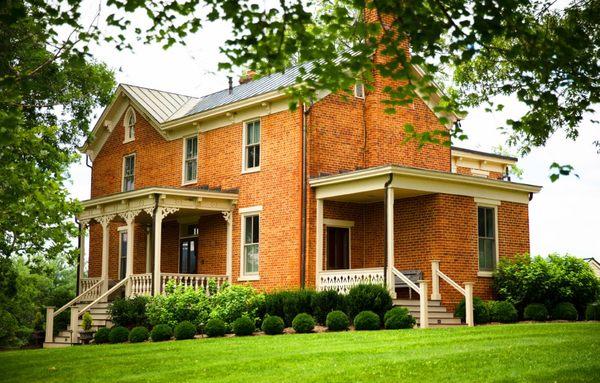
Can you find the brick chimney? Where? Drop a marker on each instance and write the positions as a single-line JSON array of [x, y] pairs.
[[247, 76]]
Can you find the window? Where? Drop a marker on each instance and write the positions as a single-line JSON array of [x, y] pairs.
[[130, 125], [251, 243], [190, 159], [338, 248], [252, 146], [359, 90], [128, 172], [122, 254], [486, 219]]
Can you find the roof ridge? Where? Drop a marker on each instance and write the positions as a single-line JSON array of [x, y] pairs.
[[158, 90]]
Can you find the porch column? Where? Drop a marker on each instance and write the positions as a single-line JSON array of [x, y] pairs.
[[105, 221], [148, 250], [82, 251], [390, 242], [157, 244], [129, 219], [319, 243], [229, 260]]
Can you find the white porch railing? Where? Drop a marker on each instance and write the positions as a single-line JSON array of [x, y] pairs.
[[141, 284], [467, 291], [85, 285], [196, 281], [343, 280]]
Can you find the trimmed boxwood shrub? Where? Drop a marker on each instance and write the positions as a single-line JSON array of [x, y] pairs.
[[502, 311], [564, 311], [366, 297], [215, 327], [480, 311], [398, 318], [592, 312], [273, 325], [367, 320], [129, 312], [118, 334], [138, 334], [185, 330], [243, 326], [101, 336], [288, 304], [303, 323], [324, 302], [161, 332], [337, 321], [535, 311]]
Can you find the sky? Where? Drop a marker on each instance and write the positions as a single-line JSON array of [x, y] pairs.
[[564, 216]]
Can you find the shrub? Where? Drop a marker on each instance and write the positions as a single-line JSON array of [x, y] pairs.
[[564, 311], [129, 312], [87, 321], [367, 320], [118, 334], [535, 311], [234, 302], [177, 305], [502, 311], [303, 323], [215, 327], [243, 326], [273, 325], [138, 334], [101, 336], [185, 330], [324, 302], [398, 318], [373, 298], [592, 312], [524, 280], [337, 321], [161, 332], [288, 304], [480, 311]]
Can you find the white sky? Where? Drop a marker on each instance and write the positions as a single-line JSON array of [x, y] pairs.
[[564, 216]]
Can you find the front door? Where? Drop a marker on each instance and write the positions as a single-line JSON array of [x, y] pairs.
[[188, 251]]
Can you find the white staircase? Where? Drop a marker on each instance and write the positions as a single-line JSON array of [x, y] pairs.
[[100, 318], [438, 314]]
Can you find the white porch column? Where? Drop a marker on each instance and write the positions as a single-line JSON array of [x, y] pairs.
[[435, 281], [148, 251], [424, 308], [157, 244], [129, 219], [469, 317], [229, 260], [319, 243], [105, 221], [82, 251], [390, 242]]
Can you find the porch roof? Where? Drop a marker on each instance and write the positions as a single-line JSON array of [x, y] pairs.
[[367, 185]]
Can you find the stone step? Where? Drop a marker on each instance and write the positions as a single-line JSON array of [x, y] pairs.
[[435, 315], [443, 321], [56, 345], [62, 339], [414, 302], [65, 333], [432, 309]]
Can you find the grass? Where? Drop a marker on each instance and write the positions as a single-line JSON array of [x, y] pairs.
[[567, 352]]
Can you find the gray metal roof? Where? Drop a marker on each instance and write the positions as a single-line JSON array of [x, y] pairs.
[[161, 105]]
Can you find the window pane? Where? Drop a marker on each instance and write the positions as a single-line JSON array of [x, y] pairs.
[[481, 221], [257, 155], [256, 139], [251, 256], [248, 229], [255, 229], [489, 223]]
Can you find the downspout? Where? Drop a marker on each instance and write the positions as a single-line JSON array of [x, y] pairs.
[[79, 244], [152, 234], [304, 192], [385, 240]]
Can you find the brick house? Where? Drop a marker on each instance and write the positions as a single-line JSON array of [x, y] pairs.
[[233, 186]]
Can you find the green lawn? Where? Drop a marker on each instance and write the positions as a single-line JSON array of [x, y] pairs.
[[566, 352]]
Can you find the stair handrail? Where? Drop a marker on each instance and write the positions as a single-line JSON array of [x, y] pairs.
[[467, 291], [406, 280], [451, 282], [106, 293], [77, 298], [422, 291]]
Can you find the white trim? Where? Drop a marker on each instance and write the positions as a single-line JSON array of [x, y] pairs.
[[487, 202], [254, 169], [250, 209], [496, 239], [243, 213], [122, 228], [356, 86], [338, 223], [127, 138], [183, 160], [121, 232], [247, 278], [485, 274], [123, 172]]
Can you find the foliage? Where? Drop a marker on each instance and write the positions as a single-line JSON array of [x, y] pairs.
[[502, 311], [398, 318], [480, 311], [215, 327], [524, 280], [118, 334], [185, 330], [235, 301], [288, 304], [101, 335], [129, 312], [564, 311], [86, 321], [366, 297], [161, 332], [303, 323], [177, 305], [535, 311], [337, 321], [324, 302], [272, 325], [243, 326], [592, 312], [138, 334], [9, 328], [367, 320]]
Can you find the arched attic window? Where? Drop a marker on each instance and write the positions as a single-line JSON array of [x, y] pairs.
[[130, 124]]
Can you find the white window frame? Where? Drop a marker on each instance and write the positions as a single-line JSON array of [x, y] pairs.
[[182, 235], [246, 170], [184, 160], [130, 112], [123, 172], [341, 224], [245, 212], [121, 230], [484, 202], [359, 85]]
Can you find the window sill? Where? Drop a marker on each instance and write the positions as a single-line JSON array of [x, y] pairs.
[[485, 274], [129, 140], [249, 171], [246, 278], [185, 183]]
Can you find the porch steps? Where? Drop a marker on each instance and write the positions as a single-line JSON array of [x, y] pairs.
[[438, 314], [100, 318]]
